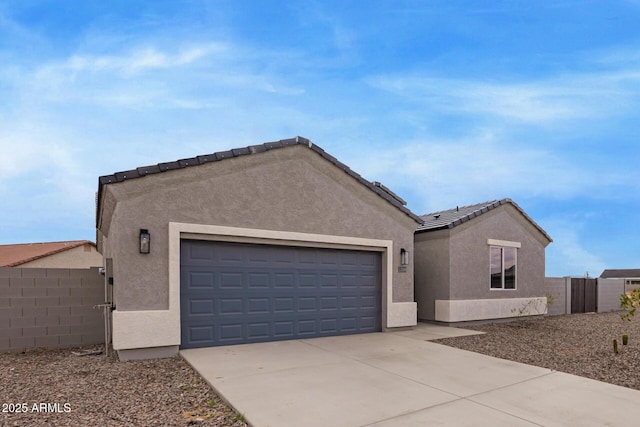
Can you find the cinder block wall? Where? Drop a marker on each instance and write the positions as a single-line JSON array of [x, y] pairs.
[[50, 308], [560, 289], [609, 291]]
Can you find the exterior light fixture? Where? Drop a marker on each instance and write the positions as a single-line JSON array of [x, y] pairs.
[[404, 257], [145, 241]]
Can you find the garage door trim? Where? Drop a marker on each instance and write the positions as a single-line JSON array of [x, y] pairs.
[[159, 328], [271, 237]]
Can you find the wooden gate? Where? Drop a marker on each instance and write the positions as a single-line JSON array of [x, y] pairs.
[[584, 295]]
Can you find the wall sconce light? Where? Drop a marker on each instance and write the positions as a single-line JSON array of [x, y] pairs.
[[145, 241], [404, 257]]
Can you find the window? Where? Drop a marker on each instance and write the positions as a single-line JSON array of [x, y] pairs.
[[503, 267]]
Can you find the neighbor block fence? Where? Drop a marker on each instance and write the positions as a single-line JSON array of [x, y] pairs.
[[607, 294], [50, 308]]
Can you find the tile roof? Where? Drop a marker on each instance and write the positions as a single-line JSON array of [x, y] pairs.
[[143, 171], [453, 217], [621, 273], [15, 255]]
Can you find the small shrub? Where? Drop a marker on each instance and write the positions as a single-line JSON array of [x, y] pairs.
[[630, 301], [615, 346], [625, 339]]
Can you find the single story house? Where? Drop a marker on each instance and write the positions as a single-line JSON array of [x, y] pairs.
[[631, 276], [262, 243], [479, 262], [71, 254]]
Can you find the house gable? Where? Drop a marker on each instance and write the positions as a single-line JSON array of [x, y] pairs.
[[68, 254], [291, 195], [453, 253], [452, 218], [106, 201]]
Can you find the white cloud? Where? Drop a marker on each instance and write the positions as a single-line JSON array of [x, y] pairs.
[[568, 255], [444, 173], [195, 77], [136, 61], [564, 97]]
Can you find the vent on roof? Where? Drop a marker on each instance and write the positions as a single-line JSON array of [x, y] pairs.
[[436, 216], [389, 192]]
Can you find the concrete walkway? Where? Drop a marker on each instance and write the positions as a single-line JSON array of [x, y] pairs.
[[399, 379]]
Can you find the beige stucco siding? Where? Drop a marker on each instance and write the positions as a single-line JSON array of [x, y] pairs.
[[454, 264], [288, 189], [470, 278], [432, 271]]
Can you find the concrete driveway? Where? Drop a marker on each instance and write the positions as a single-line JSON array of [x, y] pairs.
[[400, 379]]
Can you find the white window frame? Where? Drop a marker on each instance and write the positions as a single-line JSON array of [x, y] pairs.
[[502, 244]]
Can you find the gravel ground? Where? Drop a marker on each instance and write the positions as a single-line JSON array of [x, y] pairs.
[[579, 344], [96, 390]]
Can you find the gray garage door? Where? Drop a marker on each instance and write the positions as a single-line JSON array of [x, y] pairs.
[[233, 293]]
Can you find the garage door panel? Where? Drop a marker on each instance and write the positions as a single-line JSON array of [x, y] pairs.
[[283, 280], [259, 330], [283, 305], [307, 328], [201, 306], [348, 303], [328, 326], [201, 253], [367, 322], [201, 280], [258, 306], [348, 324], [255, 257], [329, 303], [257, 280], [231, 280], [228, 256], [307, 280], [231, 306], [283, 329], [328, 258], [306, 304], [201, 334], [329, 280], [231, 332], [368, 302], [275, 293]]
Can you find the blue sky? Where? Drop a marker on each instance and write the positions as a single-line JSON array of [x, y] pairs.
[[446, 102]]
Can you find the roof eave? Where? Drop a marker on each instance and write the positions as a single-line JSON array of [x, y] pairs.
[[144, 171]]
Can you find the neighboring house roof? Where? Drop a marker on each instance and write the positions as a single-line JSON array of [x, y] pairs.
[[15, 255], [141, 172], [451, 218], [620, 274]]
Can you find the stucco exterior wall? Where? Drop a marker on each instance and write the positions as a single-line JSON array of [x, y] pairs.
[[290, 189], [431, 271], [85, 256], [465, 274], [470, 273]]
